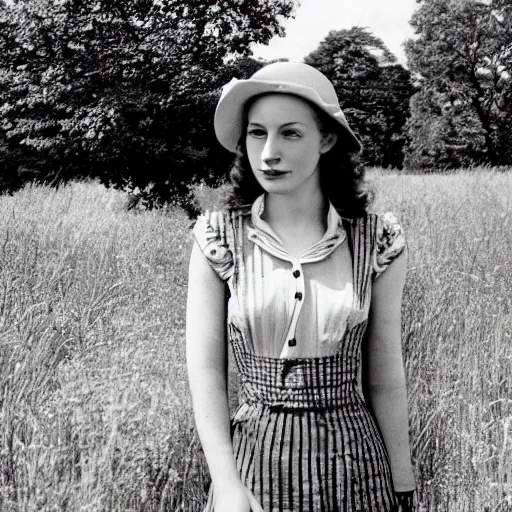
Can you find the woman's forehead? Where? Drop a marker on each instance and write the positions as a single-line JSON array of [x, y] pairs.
[[280, 108]]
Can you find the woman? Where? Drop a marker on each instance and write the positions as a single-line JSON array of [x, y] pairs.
[[312, 312]]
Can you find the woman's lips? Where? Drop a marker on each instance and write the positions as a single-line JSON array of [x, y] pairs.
[[273, 173]]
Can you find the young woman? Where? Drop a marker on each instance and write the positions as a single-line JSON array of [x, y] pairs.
[[306, 286]]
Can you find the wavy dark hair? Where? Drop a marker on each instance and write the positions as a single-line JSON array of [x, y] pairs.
[[342, 175]]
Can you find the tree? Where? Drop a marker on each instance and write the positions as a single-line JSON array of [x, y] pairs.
[[464, 57], [396, 91], [443, 133], [122, 91], [373, 90]]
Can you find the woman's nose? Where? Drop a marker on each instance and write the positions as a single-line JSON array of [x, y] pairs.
[[270, 153]]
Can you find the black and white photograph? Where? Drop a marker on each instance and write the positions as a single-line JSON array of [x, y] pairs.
[[255, 256]]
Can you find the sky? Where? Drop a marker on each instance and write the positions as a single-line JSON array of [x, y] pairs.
[[386, 19]]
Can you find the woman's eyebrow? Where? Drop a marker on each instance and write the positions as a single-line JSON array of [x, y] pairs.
[[281, 126]]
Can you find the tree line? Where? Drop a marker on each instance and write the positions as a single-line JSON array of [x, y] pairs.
[[125, 92]]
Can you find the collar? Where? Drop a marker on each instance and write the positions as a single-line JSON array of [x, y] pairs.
[[263, 235]]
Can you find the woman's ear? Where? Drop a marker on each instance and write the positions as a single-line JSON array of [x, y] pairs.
[[328, 141]]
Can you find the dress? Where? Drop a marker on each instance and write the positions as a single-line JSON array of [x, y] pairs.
[[303, 437]]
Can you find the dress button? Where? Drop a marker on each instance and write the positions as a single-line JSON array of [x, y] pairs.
[[298, 296], [292, 342], [296, 273]]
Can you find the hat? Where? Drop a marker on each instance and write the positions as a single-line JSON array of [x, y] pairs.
[[280, 77]]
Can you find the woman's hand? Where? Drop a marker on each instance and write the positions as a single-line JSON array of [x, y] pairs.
[[235, 498], [406, 501]]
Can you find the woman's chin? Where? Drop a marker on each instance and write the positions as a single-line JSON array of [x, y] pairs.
[[276, 188], [277, 185]]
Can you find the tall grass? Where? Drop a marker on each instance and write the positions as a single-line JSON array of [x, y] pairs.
[[457, 327], [95, 413], [94, 409]]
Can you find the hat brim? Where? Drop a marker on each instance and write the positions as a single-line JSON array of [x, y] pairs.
[[228, 118]]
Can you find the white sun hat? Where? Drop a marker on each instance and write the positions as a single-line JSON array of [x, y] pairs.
[[280, 77]]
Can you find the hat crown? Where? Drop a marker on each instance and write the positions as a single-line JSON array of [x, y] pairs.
[[298, 74]]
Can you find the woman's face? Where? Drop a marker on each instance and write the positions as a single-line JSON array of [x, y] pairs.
[[284, 144]]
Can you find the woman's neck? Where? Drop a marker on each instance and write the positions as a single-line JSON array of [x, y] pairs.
[[290, 210]]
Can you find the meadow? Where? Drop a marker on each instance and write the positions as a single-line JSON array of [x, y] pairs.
[[95, 413]]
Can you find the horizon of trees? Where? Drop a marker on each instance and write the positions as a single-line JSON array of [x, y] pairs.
[[125, 92]]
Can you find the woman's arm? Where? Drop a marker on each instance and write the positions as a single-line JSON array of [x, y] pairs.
[[207, 366], [207, 371], [384, 371]]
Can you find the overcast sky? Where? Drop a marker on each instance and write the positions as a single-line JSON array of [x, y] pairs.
[[387, 19]]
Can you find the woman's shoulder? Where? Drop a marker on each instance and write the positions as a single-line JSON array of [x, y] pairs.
[[389, 240], [382, 232], [215, 223], [214, 233], [386, 223], [214, 216], [388, 228]]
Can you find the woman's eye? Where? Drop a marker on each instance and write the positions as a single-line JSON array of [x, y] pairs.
[[291, 133], [256, 132]]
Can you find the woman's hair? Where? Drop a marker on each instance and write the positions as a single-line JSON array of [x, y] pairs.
[[341, 172]]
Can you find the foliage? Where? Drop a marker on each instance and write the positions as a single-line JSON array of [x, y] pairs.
[[464, 57], [443, 134], [122, 90], [373, 90]]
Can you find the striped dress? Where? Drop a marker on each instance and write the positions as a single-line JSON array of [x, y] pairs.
[[303, 437]]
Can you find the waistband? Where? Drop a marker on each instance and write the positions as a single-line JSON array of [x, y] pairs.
[[304, 383]]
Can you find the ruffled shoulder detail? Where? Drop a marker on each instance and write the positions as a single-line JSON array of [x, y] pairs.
[[210, 233], [390, 242]]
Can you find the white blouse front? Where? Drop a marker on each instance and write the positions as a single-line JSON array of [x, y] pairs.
[[293, 307]]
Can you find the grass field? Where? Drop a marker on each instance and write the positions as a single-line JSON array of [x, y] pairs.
[[95, 413]]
